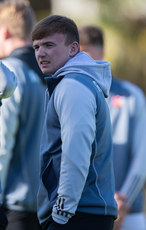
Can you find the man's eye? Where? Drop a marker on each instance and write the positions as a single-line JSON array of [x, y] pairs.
[[36, 47], [49, 45]]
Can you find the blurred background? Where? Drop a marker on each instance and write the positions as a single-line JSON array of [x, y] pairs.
[[124, 26]]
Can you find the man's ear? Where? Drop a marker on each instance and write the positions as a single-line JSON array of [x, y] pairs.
[[74, 49], [4, 32]]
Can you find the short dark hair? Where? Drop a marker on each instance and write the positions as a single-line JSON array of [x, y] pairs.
[[92, 35], [56, 24]]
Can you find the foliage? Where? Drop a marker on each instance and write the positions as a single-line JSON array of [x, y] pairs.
[[125, 24]]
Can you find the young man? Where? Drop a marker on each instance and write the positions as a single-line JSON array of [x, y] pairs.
[[8, 84], [128, 116], [21, 117], [77, 182]]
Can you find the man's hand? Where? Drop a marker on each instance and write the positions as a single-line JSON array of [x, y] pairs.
[[123, 209]]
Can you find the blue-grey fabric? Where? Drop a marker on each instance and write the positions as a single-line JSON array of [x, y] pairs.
[[76, 148], [8, 81], [128, 116], [22, 117]]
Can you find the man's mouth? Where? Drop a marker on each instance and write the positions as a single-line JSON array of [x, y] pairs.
[[44, 62]]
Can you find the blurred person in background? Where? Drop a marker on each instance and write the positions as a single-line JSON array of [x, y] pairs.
[[128, 116], [21, 117], [8, 82]]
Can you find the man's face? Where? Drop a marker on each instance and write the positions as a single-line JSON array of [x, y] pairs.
[[52, 53]]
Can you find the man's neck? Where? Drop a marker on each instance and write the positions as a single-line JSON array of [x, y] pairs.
[[15, 43]]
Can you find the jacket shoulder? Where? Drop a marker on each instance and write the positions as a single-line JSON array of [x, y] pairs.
[[126, 88]]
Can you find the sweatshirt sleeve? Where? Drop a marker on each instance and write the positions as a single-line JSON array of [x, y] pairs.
[[8, 81], [137, 172], [9, 117], [76, 109]]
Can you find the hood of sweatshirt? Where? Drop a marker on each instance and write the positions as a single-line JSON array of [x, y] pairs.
[[99, 71]]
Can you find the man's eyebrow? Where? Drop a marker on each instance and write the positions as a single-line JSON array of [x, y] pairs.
[[43, 43], [47, 42]]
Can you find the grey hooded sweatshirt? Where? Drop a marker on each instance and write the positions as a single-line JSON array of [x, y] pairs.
[[76, 149]]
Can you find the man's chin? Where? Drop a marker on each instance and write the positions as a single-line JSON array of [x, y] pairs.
[[46, 72]]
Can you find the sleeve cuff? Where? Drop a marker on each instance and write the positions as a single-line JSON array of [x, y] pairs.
[[60, 217]]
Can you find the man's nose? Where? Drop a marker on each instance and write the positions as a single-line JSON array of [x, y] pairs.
[[41, 51]]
